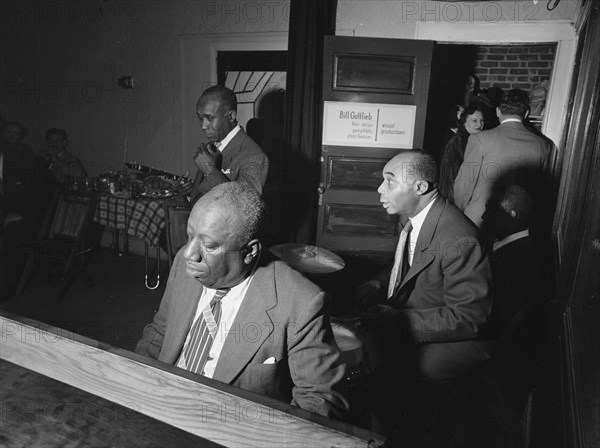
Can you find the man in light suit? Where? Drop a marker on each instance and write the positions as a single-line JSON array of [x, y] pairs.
[[497, 153], [274, 336], [427, 322], [229, 155]]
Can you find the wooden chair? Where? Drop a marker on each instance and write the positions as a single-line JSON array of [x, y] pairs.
[[177, 214], [60, 245]]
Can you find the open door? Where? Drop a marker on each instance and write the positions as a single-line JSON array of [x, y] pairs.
[[375, 102]]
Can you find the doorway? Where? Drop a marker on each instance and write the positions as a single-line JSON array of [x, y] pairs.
[[258, 78], [498, 68]]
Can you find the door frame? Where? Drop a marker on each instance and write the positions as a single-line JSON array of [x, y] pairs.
[[561, 32], [199, 71]]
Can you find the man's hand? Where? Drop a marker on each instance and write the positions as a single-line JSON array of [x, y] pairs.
[[206, 158], [365, 295], [380, 317]]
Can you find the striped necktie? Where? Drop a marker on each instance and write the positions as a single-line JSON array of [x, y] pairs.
[[400, 260], [203, 333]]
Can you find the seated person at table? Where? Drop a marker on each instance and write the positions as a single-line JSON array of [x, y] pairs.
[[24, 197], [274, 336], [64, 166], [427, 321], [229, 155]]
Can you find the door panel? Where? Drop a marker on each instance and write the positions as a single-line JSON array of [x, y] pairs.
[[377, 73]]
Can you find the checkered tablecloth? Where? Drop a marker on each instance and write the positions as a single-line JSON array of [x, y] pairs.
[[142, 218]]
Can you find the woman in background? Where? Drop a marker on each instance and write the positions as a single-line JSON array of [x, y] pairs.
[[470, 122]]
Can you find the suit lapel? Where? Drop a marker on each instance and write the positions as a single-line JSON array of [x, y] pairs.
[[253, 326], [184, 301], [422, 257], [232, 149]]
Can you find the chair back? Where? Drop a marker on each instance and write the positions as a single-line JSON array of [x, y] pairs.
[[177, 218], [73, 212]]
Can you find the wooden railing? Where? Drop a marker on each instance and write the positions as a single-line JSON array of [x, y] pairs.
[[207, 408]]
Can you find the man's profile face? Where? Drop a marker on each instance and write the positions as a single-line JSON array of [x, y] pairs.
[[397, 191], [216, 121], [56, 143], [212, 254]]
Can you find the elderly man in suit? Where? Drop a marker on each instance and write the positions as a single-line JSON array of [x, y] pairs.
[[496, 153], [270, 331], [229, 155]]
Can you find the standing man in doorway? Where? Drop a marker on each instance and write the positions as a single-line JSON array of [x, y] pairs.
[[230, 155], [499, 153]]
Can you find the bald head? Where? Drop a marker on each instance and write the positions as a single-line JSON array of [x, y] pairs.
[[409, 182]]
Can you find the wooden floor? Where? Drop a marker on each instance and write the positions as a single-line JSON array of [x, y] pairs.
[[116, 307], [113, 310]]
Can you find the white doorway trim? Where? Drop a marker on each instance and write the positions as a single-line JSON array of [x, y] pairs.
[[199, 71], [560, 32]]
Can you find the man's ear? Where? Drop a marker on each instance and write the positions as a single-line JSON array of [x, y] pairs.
[[232, 116], [422, 187], [498, 112], [251, 251]]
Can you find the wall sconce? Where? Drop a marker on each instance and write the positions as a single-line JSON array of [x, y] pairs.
[[125, 82]]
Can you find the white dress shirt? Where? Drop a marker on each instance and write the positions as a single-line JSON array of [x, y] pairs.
[[223, 143], [417, 222], [230, 305], [510, 239]]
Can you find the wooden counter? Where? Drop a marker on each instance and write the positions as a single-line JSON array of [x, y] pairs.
[[194, 410], [37, 411]]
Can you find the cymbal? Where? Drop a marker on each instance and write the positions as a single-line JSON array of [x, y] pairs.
[[308, 259]]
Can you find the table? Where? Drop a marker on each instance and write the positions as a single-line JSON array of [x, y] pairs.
[[142, 218]]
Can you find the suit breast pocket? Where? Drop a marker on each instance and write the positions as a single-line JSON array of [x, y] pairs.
[[271, 379]]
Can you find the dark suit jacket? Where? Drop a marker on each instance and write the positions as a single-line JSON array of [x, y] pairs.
[[452, 159], [26, 189], [518, 283], [241, 160], [490, 156], [283, 315], [445, 298]]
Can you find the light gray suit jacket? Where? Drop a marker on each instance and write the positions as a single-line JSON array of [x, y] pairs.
[[283, 315], [489, 156]]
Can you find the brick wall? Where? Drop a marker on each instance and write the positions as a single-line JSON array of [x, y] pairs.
[[514, 66]]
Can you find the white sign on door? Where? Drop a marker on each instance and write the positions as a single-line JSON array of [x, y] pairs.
[[368, 124]]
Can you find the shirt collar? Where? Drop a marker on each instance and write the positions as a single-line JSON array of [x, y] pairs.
[[223, 143], [510, 239], [508, 120], [418, 220]]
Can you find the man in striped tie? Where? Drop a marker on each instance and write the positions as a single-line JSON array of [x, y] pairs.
[[231, 313]]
